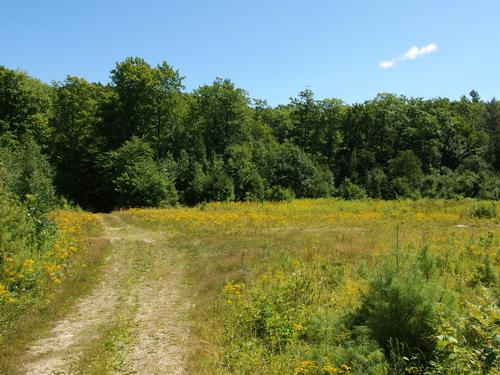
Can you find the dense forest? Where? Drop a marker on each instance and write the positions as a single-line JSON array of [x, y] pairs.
[[142, 140]]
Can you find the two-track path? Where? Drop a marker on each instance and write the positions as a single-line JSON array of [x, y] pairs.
[[138, 312]]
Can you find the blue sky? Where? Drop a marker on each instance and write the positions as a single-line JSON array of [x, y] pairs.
[[271, 48]]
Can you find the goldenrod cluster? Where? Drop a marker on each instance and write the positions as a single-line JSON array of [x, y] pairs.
[[37, 267]]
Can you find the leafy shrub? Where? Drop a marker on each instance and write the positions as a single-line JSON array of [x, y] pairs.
[[218, 185], [473, 163], [467, 184], [483, 211], [489, 186], [279, 193], [140, 185], [137, 179], [195, 184], [273, 321], [400, 309], [400, 187], [362, 353], [253, 186], [461, 183], [248, 183], [15, 230], [320, 184], [408, 166], [169, 167], [296, 169], [439, 184], [470, 344], [376, 183], [27, 173], [406, 173], [349, 191]]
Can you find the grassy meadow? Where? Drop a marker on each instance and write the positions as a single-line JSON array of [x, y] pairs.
[[318, 286], [336, 287]]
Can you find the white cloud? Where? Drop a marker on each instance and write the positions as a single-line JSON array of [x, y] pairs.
[[387, 64], [413, 53]]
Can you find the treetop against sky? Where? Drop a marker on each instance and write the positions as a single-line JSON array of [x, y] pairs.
[[274, 49]]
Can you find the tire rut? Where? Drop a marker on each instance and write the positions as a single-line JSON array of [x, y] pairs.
[[160, 334]]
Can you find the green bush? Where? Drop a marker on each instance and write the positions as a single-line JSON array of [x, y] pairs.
[[299, 171], [400, 308], [195, 183], [376, 183], [470, 344], [408, 166], [218, 185], [15, 229], [26, 172], [320, 184], [483, 211], [489, 186], [400, 187], [406, 175], [140, 185], [279, 193], [137, 180], [248, 183], [273, 321], [362, 353], [350, 191], [439, 184], [467, 184], [253, 186]]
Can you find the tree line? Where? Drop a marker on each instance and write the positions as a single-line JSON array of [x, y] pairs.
[[142, 140]]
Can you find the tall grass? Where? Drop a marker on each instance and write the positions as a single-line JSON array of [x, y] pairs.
[[42, 277], [331, 287]]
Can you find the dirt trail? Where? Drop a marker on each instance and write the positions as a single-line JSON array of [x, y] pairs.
[[159, 332]]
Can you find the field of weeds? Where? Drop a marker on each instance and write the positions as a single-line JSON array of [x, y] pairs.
[[335, 287], [42, 276]]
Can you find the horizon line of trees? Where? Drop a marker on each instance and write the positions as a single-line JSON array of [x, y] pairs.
[[142, 140]]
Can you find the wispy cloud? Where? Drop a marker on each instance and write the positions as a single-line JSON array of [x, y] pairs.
[[413, 53], [387, 64]]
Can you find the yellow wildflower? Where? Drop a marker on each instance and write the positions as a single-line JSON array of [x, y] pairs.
[[232, 288], [346, 369], [306, 367], [51, 267], [330, 370], [474, 250]]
